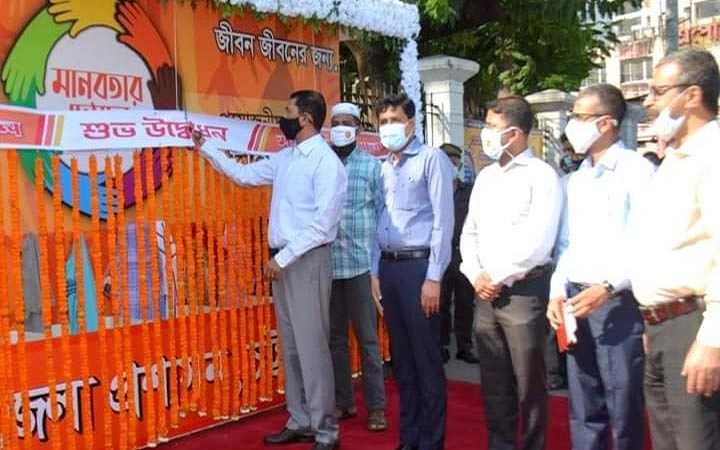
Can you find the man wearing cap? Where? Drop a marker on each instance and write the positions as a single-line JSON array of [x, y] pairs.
[[455, 287], [350, 300]]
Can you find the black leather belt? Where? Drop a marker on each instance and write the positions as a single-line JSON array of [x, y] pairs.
[[538, 271], [404, 255], [275, 251]]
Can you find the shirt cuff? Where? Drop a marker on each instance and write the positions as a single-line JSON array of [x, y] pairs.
[[285, 257], [620, 284], [558, 287], [435, 272], [709, 333]]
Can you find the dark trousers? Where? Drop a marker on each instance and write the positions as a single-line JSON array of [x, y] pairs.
[[456, 288], [678, 420], [416, 351], [510, 334], [350, 302], [605, 376]]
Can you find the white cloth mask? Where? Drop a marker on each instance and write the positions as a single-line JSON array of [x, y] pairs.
[[342, 135], [492, 142], [582, 135]]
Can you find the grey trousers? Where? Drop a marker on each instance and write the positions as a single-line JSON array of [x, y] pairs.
[[678, 420], [351, 302], [511, 334], [302, 304]]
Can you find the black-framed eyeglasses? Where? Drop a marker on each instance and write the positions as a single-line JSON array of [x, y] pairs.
[[584, 116], [659, 91]]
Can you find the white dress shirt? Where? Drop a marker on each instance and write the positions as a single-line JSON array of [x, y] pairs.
[[512, 220], [594, 241], [309, 184], [677, 244]]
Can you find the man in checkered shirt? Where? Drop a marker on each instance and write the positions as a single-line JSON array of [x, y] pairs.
[[350, 300]]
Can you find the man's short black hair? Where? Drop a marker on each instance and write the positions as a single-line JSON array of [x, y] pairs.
[[313, 103], [515, 110], [697, 68], [394, 101], [611, 100]]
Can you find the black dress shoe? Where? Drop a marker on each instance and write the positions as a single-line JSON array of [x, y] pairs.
[[445, 355], [322, 446], [288, 436], [467, 356], [407, 447]]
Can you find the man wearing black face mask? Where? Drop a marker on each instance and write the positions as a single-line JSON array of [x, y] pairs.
[[309, 184], [351, 300]]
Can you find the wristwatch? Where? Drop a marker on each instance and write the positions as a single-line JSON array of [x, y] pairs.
[[608, 287]]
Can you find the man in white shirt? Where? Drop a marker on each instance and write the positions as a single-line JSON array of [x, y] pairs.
[[506, 247], [605, 365], [676, 270], [309, 184]]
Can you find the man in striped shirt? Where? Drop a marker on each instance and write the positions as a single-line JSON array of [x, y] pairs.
[[350, 299]]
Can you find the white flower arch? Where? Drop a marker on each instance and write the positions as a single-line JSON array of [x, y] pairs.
[[387, 17]]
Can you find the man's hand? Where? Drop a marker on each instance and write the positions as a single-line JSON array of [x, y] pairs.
[[430, 297], [273, 269], [376, 294], [702, 370], [485, 289], [554, 312], [589, 300]]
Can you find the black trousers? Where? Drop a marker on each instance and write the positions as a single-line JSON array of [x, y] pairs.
[[511, 334], [417, 358], [456, 288], [678, 420]]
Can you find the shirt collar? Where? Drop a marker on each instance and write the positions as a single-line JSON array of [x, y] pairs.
[[608, 161], [698, 141], [306, 146], [522, 159], [413, 148]]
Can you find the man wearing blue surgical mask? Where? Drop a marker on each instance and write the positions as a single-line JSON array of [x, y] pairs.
[[351, 301], [605, 365], [413, 249], [506, 247]]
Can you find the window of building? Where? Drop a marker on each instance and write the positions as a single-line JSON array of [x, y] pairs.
[[624, 27], [636, 69], [596, 76], [707, 8]]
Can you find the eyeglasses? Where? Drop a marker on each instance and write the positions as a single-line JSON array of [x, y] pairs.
[[659, 91], [584, 116]]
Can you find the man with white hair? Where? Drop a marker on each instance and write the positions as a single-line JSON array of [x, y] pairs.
[[350, 301]]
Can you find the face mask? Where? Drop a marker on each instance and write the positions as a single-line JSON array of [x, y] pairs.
[[290, 127], [342, 135], [665, 126], [582, 135], [492, 142], [344, 151], [393, 136]]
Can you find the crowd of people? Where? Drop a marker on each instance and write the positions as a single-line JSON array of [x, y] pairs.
[[631, 251]]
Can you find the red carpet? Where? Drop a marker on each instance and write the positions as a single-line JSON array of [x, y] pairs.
[[465, 430]]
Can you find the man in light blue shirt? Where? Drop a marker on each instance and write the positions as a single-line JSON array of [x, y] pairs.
[[309, 184], [605, 365], [413, 249]]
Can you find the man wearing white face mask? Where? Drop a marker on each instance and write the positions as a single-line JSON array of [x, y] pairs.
[[605, 366], [413, 249], [676, 269], [506, 247], [350, 300]]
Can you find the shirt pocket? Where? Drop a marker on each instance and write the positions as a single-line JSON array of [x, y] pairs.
[[411, 190], [517, 206]]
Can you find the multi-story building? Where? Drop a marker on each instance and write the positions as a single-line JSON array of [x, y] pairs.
[[642, 34]]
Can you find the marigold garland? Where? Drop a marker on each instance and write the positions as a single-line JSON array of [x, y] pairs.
[[7, 427], [140, 239], [192, 290], [201, 280], [211, 208], [89, 437], [129, 390], [222, 247]]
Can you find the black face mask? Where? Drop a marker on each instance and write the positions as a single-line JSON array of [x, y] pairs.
[[569, 164], [290, 127], [344, 151]]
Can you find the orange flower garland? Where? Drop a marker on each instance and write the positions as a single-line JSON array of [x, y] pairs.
[[211, 208], [129, 390], [142, 281], [89, 437], [201, 281], [222, 248], [172, 300], [236, 345], [45, 295], [111, 236], [267, 306], [192, 292], [151, 221], [8, 429]]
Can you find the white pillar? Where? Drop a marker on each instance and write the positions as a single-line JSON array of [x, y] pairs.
[[551, 108], [443, 78]]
